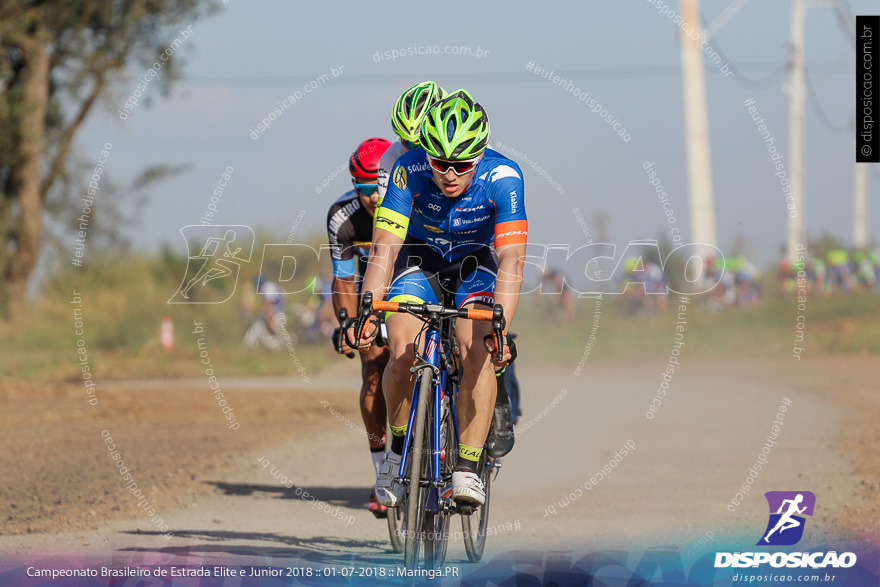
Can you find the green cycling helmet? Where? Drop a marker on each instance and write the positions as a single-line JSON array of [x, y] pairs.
[[838, 257], [455, 128], [410, 108]]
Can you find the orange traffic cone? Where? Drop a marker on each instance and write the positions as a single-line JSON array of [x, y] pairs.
[[167, 335]]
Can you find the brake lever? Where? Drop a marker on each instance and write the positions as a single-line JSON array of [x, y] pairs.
[[344, 323], [498, 323], [364, 313]]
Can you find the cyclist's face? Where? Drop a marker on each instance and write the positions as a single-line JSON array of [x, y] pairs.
[[453, 185], [369, 202]]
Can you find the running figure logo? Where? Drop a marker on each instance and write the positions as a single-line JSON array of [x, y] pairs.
[[786, 526], [210, 258]]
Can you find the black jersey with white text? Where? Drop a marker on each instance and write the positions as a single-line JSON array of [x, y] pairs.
[[350, 230]]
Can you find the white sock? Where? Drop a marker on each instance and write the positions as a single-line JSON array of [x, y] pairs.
[[377, 459]]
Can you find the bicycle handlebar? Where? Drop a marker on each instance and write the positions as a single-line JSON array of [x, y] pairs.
[[495, 315]]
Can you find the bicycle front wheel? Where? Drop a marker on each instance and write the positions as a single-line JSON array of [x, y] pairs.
[[437, 525], [417, 496], [396, 527]]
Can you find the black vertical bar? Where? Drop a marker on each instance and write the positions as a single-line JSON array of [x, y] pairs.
[[867, 89]]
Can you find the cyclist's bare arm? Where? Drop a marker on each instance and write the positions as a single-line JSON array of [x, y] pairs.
[[269, 313], [345, 294], [380, 267], [509, 280], [508, 285]]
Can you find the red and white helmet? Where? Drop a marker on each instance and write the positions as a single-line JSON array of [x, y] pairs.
[[364, 162]]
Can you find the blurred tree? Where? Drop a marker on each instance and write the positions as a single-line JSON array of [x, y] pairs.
[[57, 58]]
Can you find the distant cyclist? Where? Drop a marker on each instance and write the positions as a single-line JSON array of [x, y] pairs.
[[634, 286], [454, 210], [864, 270], [875, 261], [839, 271], [350, 231], [264, 306], [655, 286], [787, 277], [748, 281], [554, 281]]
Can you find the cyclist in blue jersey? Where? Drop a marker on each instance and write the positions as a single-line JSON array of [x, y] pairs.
[[454, 213], [406, 119], [350, 230]]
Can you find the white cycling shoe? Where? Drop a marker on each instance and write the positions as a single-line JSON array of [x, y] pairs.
[[388, 491], [467, 489]]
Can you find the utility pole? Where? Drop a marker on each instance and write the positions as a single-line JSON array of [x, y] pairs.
[[861, 236], [700, 197], [797, 217]]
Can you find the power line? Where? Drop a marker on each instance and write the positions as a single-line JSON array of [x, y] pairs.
[[813, 97], [844, 18], [742, 79], [493, 76]]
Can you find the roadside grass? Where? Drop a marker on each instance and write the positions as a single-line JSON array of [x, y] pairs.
[[123, 304], [832, 325]]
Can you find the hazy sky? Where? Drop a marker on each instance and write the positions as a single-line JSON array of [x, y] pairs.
[[242, 63]]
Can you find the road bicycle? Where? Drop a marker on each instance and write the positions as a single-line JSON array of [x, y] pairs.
[[431, 446]]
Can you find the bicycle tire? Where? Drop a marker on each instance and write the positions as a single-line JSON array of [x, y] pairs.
[[396, 520], [396, 527], [416, 494], [474, 526], [437, 543]]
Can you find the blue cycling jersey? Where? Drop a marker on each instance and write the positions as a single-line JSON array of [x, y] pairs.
[[490, 211]]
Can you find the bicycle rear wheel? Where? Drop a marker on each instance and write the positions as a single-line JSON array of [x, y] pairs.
[[474, 526], [417, 496]]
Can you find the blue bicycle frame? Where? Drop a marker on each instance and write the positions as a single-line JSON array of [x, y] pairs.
[[430, 364]]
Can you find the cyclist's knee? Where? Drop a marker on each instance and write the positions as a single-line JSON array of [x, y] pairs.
[[371, 372], [401, 335], [370, 387], [400, 359], [470, 340]]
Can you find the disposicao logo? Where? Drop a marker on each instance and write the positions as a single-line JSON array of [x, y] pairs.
[[785, 528]]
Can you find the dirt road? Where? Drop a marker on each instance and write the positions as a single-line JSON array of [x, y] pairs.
[[238, 494]]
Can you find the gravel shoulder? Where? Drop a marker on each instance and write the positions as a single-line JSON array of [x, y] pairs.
[[210, 485]]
